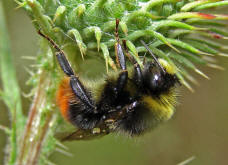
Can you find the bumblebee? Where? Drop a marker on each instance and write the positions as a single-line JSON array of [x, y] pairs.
[[132, 100]]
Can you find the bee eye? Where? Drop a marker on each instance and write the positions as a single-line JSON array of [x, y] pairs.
[[156, 78]]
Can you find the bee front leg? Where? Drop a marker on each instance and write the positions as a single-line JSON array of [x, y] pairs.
[[138, 77]]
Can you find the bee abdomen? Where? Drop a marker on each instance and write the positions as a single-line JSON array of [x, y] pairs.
[[82, 116], [136, 122], [72, 109], [64, 97]]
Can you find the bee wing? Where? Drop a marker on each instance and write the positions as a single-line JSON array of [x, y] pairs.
[[80, 135]]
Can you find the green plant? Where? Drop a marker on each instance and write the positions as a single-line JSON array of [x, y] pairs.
[[175, 29]]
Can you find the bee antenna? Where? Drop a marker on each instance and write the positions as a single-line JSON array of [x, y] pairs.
[[154, 57]]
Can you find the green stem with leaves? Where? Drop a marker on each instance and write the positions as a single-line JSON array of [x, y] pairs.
[[10, 93]]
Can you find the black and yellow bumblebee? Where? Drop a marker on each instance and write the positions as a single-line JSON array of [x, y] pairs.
[[132, 100]]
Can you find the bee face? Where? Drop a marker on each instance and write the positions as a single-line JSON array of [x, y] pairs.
[[156, 80], [153, 77]]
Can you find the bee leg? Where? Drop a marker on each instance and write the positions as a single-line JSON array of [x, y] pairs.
[[117, 117], [76, 85], [123, 76], [120, 58], [137, 69], [138, 75], [125, 110], [80, 91]]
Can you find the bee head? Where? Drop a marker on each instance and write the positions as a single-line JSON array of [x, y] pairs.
[[159, 78]]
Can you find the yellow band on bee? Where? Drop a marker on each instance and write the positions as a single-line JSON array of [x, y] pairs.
[[168, 67], [161, 110]]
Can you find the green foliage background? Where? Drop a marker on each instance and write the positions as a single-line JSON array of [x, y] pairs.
[[198, 129]]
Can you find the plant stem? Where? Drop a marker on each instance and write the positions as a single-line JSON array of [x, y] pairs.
[[32, 115], [11, 92]]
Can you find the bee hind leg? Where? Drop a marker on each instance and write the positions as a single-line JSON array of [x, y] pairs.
[[75, 83]]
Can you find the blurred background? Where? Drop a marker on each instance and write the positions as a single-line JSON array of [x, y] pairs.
[[199, 127]]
